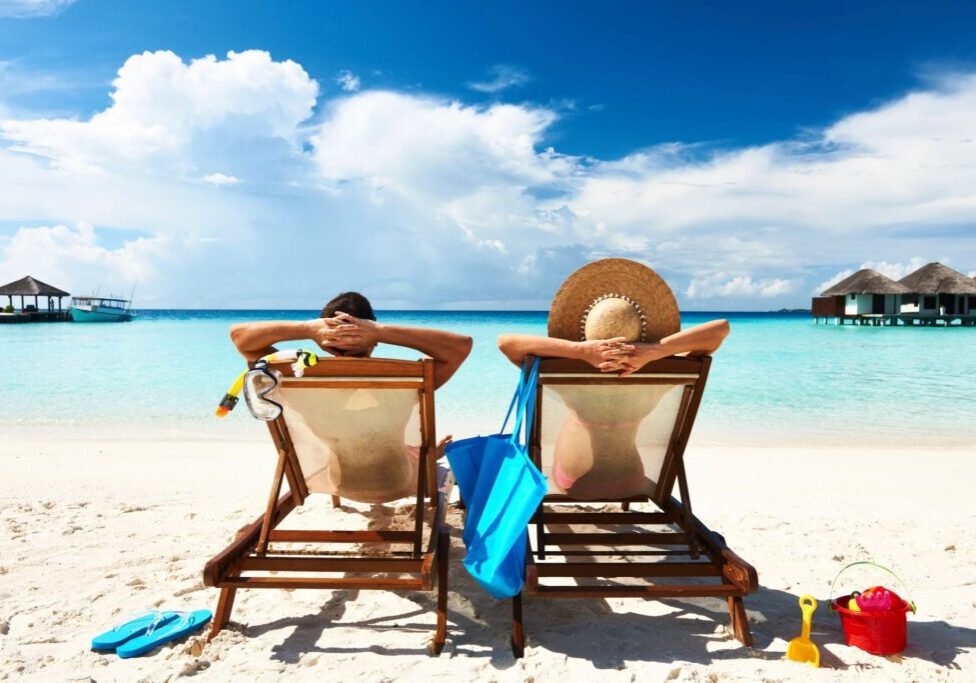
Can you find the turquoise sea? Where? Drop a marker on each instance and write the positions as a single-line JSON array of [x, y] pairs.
[[779, 378]]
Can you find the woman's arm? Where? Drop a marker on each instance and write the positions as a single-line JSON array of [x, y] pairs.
[[603, 354], [700, 340], [616, 355]]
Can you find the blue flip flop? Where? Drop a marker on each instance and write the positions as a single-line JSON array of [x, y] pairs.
[[187, 623], [136, 626]]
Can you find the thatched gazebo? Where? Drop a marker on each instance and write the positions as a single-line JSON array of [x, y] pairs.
[[937, 289], [28, 286]]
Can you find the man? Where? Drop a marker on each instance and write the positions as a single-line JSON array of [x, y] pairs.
[[347, 326]]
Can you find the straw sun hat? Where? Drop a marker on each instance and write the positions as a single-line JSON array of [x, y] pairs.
[[614, 297]]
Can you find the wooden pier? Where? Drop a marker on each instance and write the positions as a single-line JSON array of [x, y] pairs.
[[895, 319], [35, 317]]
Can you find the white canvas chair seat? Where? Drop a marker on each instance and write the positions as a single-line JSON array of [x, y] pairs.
[[607, 441], [360, 444]]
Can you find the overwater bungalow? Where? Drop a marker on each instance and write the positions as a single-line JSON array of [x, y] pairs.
[[41, 292], [939, 291], [933, 295], [865, 293]]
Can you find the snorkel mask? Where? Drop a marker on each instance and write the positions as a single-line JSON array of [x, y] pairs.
[[260, 381], [258, 384]]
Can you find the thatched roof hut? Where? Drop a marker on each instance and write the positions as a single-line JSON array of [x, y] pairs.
[[866, 281], [28, 286], [936, 278]]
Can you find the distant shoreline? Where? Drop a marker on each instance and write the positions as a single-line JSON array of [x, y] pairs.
[[449, 311]]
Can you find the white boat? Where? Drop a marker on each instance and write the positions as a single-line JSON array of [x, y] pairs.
[[95, 309]]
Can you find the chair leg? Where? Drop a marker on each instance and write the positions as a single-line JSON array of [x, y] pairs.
[[336, 502], [224, 606], [440, 635], [740, 621], [518, 632]]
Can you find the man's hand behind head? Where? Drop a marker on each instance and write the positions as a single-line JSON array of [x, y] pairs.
[[346, 335]]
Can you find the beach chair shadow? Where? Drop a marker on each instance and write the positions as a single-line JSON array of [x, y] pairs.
[[474, 622], [359, 429], [630, 436]]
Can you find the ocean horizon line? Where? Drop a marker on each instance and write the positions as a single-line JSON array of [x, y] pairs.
[[791, 311]]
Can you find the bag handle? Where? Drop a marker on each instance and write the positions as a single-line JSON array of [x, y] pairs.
[[526, 408], [531, 388], [516, 399], [911, 600]]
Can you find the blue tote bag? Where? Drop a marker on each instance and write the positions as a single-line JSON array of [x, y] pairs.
[[502, 488]]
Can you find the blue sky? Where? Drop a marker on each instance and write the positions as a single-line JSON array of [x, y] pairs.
[[471, 155]]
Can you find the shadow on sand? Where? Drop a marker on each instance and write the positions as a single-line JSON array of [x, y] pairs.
[[697, 631]]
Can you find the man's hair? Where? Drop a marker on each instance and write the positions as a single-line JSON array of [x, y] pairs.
[[353, 303]]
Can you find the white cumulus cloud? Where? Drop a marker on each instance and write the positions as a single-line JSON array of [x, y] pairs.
[[428, 148], [896, 271], [32, 8], [348, 81], [72, 258], [176, 112], [219, 179], [501, 77], [721, 285]]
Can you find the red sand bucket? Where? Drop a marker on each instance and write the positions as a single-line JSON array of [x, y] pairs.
[[877, 632]]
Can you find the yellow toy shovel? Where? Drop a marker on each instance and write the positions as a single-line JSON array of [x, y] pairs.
[[801, 648]]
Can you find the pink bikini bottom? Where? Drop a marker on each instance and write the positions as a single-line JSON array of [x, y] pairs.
[[619, 487]]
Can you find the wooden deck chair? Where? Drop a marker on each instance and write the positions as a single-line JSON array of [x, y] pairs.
[[604, 439], [361, 429]]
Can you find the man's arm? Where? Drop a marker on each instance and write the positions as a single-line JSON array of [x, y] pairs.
[[257, 339], [447, 349]]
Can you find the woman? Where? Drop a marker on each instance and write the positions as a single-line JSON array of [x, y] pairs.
[[617, 315]]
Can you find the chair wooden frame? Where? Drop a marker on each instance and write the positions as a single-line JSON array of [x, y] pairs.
[[407, 565], [689, 549]]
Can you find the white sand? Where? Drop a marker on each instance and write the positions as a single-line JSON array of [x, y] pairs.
[[91, 529]]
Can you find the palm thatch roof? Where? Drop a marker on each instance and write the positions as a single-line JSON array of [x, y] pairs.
[[866, 281], [28, 286], [936, 278]]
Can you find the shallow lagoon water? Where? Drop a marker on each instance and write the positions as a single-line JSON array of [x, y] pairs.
[[779, 378]]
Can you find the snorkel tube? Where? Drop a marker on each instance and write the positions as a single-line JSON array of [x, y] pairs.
[[232, 396], [299, 359]]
